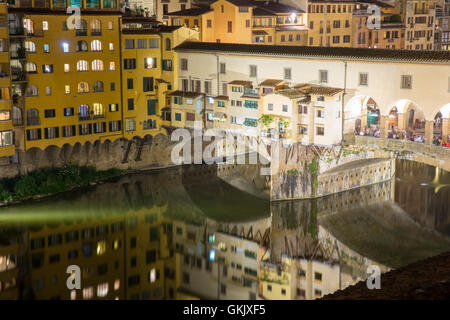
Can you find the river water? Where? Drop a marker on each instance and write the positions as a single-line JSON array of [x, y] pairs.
[[177, 233]]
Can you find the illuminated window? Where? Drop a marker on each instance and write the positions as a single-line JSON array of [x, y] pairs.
[[44, 25], [46, 48], [82, 65], [112, 66], [67, 89], [88, 293], [111, 46], [149, 63], [83, 87], [116, 244], [96, 45], [110, 25], [152, 275], [97, 65], [101, 245], [73, 295], [65, 46], [29, 46], [66, 67], [102, 289], [222, 246], [117, 284]]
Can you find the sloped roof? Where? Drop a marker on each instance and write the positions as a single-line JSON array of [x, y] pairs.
[[319, 52]]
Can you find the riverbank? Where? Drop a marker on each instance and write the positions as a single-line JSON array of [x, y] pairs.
[[425, 279], [49, 181]]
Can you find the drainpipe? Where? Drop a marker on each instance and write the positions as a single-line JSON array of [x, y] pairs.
[[343, 97], [218, 74]]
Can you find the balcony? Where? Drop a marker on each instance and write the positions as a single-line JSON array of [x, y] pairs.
[[99, 116], [84, 118], [81, 33], [16, 31], [35, 33], [96, 32]]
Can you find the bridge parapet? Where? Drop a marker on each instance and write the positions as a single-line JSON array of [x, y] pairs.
[[429, 154]]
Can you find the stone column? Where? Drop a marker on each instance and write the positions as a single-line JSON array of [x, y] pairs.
[[384, 127], [401, 124], [363, 118], [429, 131], [445, 130]]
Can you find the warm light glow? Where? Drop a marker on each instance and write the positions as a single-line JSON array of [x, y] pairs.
[[101, 247]]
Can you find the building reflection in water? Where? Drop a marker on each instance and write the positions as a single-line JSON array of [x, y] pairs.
[[170, 235]]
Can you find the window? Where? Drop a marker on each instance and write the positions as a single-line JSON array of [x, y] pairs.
[[287, 73], [82, 46], [44, 25], [112, 86], [253, 71], [113, 107], [102, 290], [97, 65], [303, 130], [151, 107], [130, 104], [363, 79], [142, 43], [153, 43], [209, 23], [208, 87], [178, 116], [96, 45], [111, 46], [68, 112], [317, 276], [184, 64], [48, 91], [406, 82], [129, 43], [129, 64], [98, 86], [168, 45], [320, 131], [6, 138], [320, 113], [167, 65], [47, 68], [230, 26], [285, 108], [82, 65], [147, 84], [83, 87], [88, 293], [46, 48], [66, 67], [130, 125], [129, 83], [323, 76], [110, 25], [149, 63], [222, 67]]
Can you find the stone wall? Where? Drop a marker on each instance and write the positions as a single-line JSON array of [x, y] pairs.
[[105, 155]]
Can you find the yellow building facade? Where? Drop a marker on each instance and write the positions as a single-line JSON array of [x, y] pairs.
[[6, 111]]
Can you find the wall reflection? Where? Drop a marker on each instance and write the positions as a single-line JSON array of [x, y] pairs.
[[176, 235]]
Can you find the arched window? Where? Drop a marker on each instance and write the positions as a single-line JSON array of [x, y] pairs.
[[30, 67], [98, 109], [82, 65], [28, 25], [83, 87], [83, 111], [98, 86], [96, 45], [17, 116], [32, 91], [168, 46], [81, 28], [82, 46], [97, 65], [29, 46], [96, 27], [32, 117]]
